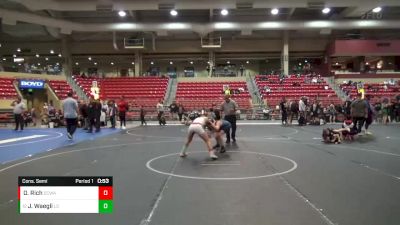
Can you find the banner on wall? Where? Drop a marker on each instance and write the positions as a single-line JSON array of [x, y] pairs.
[[31, 84]]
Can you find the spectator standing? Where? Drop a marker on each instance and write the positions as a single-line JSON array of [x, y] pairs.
[[98, 111], [34, 116], [332, 113], [378, 111], [122, 109], [83, 109], [160, 112], [302, 112], [229, 107], [104, 115], [70, 108], [294, 111], [315, 111], [283, 109], [94, 111], [19, 108], [371, 114], [385, 111], [359, 112], [45, 109], [181, 111], [397, 110], [112, 113], [173, 109], [142, 115]]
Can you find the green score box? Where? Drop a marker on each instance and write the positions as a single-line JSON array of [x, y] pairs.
[[105, 206]]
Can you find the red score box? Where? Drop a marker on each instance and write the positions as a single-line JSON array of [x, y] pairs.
[[105, 193]]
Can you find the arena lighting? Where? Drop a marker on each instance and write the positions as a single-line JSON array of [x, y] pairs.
[[57, 64], [208, 62], [228, 62], [191, 62], [274, 11], [270, 25], [224, 12], [377, 9], [299, 64], [77, 63], [152, 63], [38, 64], [112, 63], [18, 60], [176, 26], [51, 51], [122, 13], [336, 63], [319, 24], [4, 59], [367, 23], [14, 55], [125, 26], [90, 58], [247, 62], [37, 55], [19, 64], [47, 59], [95, 63], [59, 55], [173, 12], [326, 10], [224, 25], [306, 61], [171, 63], [18, 50], [133, 63]]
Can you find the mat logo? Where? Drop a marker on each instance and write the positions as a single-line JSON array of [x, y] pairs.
[[31, 84]]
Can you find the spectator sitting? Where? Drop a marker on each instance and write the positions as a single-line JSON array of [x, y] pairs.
[[266, 114], [267, 89], [314, 80]]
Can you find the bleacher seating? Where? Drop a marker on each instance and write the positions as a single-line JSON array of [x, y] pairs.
[[7, 90], [146, 91], [376, 90], [290, 91], [61, 88], [199, 95]]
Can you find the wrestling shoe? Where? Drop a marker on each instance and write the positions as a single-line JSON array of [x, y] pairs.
[[213, 156]]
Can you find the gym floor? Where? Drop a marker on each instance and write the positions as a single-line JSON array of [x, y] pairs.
[[272, 175]]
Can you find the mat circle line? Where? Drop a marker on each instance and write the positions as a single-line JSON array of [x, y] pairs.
[[294, 167], [40, 140]]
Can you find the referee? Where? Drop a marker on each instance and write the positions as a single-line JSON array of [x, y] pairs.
[[229, 107]]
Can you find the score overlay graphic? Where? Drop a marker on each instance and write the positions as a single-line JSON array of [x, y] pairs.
[[65, 194]]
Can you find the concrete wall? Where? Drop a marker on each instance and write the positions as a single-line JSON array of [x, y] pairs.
[[211, 79], [171, 46], [30, 76], [366, 80]]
